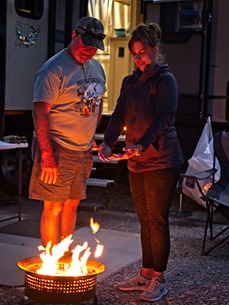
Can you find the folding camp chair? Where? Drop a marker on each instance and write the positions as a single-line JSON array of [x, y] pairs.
[[216, 197]]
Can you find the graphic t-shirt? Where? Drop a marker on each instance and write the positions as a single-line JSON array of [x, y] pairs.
[[74, 92]]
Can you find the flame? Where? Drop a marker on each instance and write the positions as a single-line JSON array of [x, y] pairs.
[[124, 131], [94, 225], [78, 264], [50, 261], [99, 250], [80, 255]]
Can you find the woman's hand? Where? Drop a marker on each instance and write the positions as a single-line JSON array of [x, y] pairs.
[[130, 152], [104, 152]]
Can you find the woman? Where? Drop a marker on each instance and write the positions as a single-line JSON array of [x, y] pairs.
[[147, 107]]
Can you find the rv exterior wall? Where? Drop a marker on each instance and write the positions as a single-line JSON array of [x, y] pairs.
[[22, 60], [219, 62]]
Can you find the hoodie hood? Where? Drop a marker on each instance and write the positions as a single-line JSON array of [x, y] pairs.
[[150, 71]]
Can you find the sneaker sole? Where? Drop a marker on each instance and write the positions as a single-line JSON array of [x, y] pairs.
[[155, 299], [138, 288]]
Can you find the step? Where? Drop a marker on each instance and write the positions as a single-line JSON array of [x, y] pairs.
[[99, 182], [98, 160], [100, 136]]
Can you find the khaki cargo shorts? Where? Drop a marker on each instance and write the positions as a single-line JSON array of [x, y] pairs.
[[74, 168]]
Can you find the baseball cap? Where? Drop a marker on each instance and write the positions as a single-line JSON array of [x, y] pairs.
[[92, 32]]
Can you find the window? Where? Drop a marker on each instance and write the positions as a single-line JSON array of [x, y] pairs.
[[181, 17], [29, 9]]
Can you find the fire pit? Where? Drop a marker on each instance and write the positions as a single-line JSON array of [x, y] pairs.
[[58, 289]]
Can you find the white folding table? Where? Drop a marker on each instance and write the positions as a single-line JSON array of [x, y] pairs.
[[19, 147]]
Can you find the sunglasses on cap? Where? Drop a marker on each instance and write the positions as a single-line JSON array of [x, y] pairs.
[[90, 33]]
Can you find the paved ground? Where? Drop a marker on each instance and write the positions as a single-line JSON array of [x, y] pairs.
[[15, 248], [191, 277]]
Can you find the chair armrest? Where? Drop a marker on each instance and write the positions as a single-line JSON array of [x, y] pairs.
[[200, 175]]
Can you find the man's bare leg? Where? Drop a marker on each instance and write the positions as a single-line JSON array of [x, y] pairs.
[[50, 222], [68, 217]]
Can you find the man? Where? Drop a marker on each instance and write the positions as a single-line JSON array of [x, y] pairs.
[[67, 108]]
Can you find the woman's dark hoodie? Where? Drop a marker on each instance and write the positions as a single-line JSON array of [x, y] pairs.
[[147, 107]]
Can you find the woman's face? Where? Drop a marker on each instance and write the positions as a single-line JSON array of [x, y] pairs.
[[141, 56]]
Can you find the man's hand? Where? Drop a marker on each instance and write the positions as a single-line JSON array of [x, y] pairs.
[[94, 146], [41, 122], [49, 171]]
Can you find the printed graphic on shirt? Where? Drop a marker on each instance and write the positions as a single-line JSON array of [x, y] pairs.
[[90, 99]]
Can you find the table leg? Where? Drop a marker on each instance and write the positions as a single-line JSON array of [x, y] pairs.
[[20, 184]]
